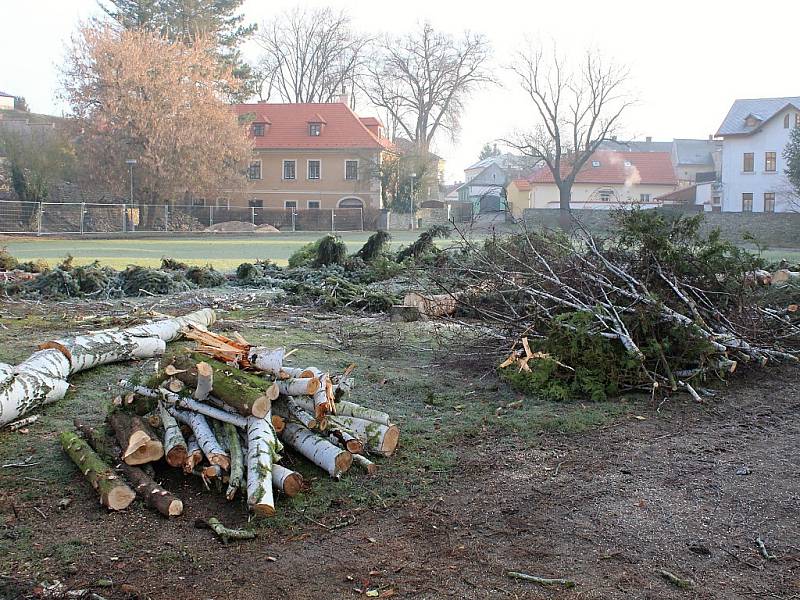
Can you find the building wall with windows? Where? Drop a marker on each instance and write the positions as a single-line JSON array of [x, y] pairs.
[[753, 166], [314, 179], [599, 196]]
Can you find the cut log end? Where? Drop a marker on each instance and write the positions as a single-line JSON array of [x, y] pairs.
[[152, 451], [221, 460], [118, 498], [343, 462], [273, 392], [278, 423], [262, 405], [390, 440], [355, 446], [175, 508], [177, 457], [293, 484], [263, 510]]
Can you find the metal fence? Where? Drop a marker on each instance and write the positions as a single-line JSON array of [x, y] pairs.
[[46, 218]]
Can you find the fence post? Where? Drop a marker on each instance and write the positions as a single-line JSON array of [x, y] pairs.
[[124, 218], [210, 216], [83, 214], [39, 218], [253, 215], [294, 225], [361, 213], [333, 220], [166, 217]]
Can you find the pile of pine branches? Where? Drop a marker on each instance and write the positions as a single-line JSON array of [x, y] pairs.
[[655, 307]]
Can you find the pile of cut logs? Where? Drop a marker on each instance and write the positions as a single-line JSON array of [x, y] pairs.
[[225, 412]]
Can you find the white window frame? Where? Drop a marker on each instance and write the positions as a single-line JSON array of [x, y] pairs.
[[644, 197], [773, 199], [358, 169], [283, 169], [260, 170], [308, 204], [319, 129], [286, 204], [308, 169]]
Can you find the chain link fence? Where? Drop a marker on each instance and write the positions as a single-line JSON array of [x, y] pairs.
[[46, 218]]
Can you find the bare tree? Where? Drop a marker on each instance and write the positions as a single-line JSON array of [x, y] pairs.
[[310, 55], [422, 80], [136, 95], [577, 109]]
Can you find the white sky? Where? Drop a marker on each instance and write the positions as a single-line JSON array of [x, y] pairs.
[[688, 58]]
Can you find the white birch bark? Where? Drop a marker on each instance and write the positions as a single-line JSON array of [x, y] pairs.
[[171, 329], [262, 454], [195, 455], [318, 450], [299, 386], [175, 449], [378, 438], [38, 380], [268, 360], [365, 463], [351, 409], [208, 442], [205, 381], [285, 480]]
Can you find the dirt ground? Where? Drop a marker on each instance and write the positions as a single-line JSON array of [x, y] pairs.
[[682, 487]]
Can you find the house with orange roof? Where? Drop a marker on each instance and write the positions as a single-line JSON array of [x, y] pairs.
[[609, 180], [312, 156]]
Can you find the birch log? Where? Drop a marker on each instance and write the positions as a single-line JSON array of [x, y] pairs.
[[299, 386], [262, 454], [138, 441], [205, 437], [318, 450], [113, 491], [205, 381], [378, 438], [351, 409], [362, 461], [237, 460], [287, 481], [42, 378], [268, 360], [175, 448], [194, 455]]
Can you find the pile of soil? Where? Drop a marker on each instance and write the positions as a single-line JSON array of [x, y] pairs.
[[231, 227]]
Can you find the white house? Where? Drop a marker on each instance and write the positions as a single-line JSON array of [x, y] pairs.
[[754, 135], [6, 101]]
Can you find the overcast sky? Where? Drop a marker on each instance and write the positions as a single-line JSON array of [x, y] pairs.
[[688, 58]]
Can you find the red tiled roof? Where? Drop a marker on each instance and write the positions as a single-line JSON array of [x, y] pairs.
[[371, 122], [288, 126], [523, 185], [654, 168]]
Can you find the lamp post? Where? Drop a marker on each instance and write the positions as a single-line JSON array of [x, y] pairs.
[[130, 162], [413, 219]]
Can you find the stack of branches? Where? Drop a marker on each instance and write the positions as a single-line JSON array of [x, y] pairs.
[[226, 413], [655, 307]]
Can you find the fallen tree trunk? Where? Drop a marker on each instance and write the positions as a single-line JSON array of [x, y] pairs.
[[204, 436], [262, 454], [318, 450], [153, 494], [287, 481], [175, 448], [435, 305], [41, 378], [113, 492], [88, 351], [138, 441]]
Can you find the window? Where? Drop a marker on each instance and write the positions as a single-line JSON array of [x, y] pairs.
[[606, 195], [786, 121], [627, 163], [313, 169], [256, 203], [769, 202], [258, 129], [351, 169], [747, 202], [644, 197], [313, 204], [254, 172], [351, 203], [748, 164], [289, 169], [797, 119], [290, 204], [315, 129], [770, 162], [595, 163]]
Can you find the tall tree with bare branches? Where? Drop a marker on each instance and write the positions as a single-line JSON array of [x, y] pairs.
[[136, 95], [422, 80], [577, 108], [310, 55]]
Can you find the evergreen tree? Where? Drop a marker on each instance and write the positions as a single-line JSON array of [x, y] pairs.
[[792, 155], [187, 19], [488, 151]]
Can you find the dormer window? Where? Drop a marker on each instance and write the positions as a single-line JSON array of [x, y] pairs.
[[595, 163], [258, 129], [797, 119], [627, 163], [315, 129], [786, 121], [752, 121]]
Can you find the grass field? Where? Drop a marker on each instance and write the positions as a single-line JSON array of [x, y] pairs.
[[224, 252]]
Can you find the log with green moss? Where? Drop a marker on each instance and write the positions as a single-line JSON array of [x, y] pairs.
[[153, 495], [378, 438], [113, 491], [236, 477], [249, 394]]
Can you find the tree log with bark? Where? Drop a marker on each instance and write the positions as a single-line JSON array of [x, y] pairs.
[[138, 441]]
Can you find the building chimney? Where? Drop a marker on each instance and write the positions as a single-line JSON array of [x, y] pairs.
[[648, 139]]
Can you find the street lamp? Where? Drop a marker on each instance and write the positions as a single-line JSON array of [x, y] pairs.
[[413, 219], [130, 162]]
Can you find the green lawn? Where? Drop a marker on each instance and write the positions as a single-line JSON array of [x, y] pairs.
[[225, 252]]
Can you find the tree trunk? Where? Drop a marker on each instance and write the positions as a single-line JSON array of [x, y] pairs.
[[378, 438], [153, 494], [114, 493], [88, 351], [262, 454], [268, 360], [351, 409], [318, 450], [287, 481], [138, 441], [346, 440], [237, 460], [175, 447], [41, 378], [205, 437], [299, 386], [564, 198], [362, 461], [194, 455]]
